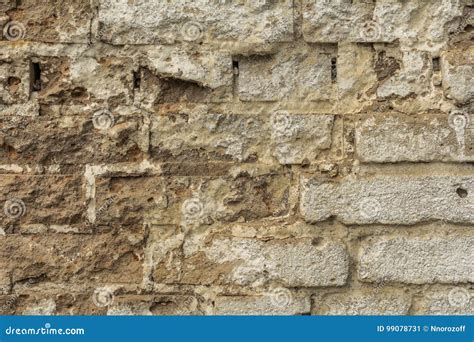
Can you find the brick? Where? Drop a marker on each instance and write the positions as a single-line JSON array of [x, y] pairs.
[[354, 303], [268, 304], [290, 138], [389, 199], [417, 260], [54, 22], [74, 259], [96, 138], [421, 139], [122, 22], [299, 73]]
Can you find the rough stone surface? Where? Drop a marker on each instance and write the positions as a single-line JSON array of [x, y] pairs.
[[417, 261], [457, 300], [428, 138], [261, 305], [281, 157], [366, 304], [389, 199], [290, 139]]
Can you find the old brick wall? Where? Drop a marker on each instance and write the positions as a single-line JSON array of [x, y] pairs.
[[236, 157]]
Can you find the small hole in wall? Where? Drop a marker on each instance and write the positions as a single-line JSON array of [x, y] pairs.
[[35, 76], [436, 65], [137, 79], [333, 69], [461, 192], [235, 67]]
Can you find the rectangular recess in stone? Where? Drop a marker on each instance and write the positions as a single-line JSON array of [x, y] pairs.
[[52, 21], [402, 138], [167, 22], [77, 259], [280, 137], [71, 140], [444, 259], [14, 81], [51, 200], [299, 73], [242, 261], [389, 199], [107, 81]]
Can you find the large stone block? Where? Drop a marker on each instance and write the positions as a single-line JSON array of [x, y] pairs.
[[290, 138], [101, 137], [424, 138], [137, 22], [74, 259], [457, 300], [389, 199], [278, 302], [300, 73], [245, 195], [382, 21], [49, 200], [64, 80], [356, 303], [457, 66], [244, 261], [51, 21], [446, 259]]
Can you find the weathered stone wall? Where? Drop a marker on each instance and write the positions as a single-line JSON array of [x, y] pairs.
[[236, 157]]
